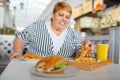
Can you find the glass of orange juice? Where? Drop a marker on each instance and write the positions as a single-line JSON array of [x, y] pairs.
[[102, 51]]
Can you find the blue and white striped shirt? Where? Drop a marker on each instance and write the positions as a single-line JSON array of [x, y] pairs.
[[39, 42]]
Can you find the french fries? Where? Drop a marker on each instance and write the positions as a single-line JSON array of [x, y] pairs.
[[31, 56], [85, 57]]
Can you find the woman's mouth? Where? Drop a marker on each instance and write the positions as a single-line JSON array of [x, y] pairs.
[[62, 24]]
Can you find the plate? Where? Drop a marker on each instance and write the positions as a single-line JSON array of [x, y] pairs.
[[69, 72], [35, 60]]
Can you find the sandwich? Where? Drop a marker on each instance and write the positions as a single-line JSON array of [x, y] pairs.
[[51, 65]]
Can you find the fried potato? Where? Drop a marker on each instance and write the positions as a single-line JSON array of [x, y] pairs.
[[85, 57], [31, 56]]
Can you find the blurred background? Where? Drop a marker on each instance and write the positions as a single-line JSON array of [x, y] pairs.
[[93, 17]]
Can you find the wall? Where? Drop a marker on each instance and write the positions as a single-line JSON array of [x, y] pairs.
[[1, 16]]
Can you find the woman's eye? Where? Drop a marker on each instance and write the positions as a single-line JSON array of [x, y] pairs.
[[60, 14], [67, 17]]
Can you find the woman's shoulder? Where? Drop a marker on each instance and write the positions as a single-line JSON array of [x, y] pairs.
[[41, 21], [72, 30]]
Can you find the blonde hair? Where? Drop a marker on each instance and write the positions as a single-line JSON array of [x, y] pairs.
[[62, 6]]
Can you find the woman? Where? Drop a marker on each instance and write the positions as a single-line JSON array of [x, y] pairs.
[[53, 37]]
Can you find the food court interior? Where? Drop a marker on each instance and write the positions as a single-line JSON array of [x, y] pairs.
[[95, 19]]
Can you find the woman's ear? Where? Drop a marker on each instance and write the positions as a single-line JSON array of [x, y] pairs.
[[51, 19], [52, 15]]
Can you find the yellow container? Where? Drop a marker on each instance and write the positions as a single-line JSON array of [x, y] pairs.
[[102, 51]]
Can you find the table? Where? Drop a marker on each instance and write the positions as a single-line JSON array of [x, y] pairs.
[[4, 60], [20, 70]]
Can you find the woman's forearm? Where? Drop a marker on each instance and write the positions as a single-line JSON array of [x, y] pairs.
[[18, 45]]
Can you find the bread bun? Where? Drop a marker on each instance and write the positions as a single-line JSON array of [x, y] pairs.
[[59, 71], [47, 65]]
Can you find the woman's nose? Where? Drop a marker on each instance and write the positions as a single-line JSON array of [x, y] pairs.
[[64, 18]]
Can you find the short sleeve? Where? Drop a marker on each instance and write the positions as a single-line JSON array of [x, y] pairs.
[[28, 33]]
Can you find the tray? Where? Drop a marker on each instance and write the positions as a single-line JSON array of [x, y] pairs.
[[89, 67]]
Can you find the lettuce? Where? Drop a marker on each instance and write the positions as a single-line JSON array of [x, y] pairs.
[[61, 65]]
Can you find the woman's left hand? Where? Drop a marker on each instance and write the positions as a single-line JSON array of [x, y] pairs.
[[85, 43], [88, 43]]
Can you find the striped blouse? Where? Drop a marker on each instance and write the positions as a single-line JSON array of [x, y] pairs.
[[38, 41]]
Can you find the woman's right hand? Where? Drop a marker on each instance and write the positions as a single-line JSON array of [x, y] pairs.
[[18, 47], [14, 55]]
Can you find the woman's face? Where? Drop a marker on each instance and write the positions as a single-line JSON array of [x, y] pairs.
[[61, 20]]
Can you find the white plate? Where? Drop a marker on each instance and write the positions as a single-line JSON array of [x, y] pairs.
[[69, 72], [31, 60]]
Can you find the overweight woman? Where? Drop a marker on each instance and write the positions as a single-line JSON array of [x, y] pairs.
[[51, 37]]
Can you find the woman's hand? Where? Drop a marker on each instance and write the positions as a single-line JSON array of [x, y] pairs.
[[14, 55], [18, 48], [88, 43], [85, 43]]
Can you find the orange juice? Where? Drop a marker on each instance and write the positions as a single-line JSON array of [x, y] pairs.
[[102, 51]]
